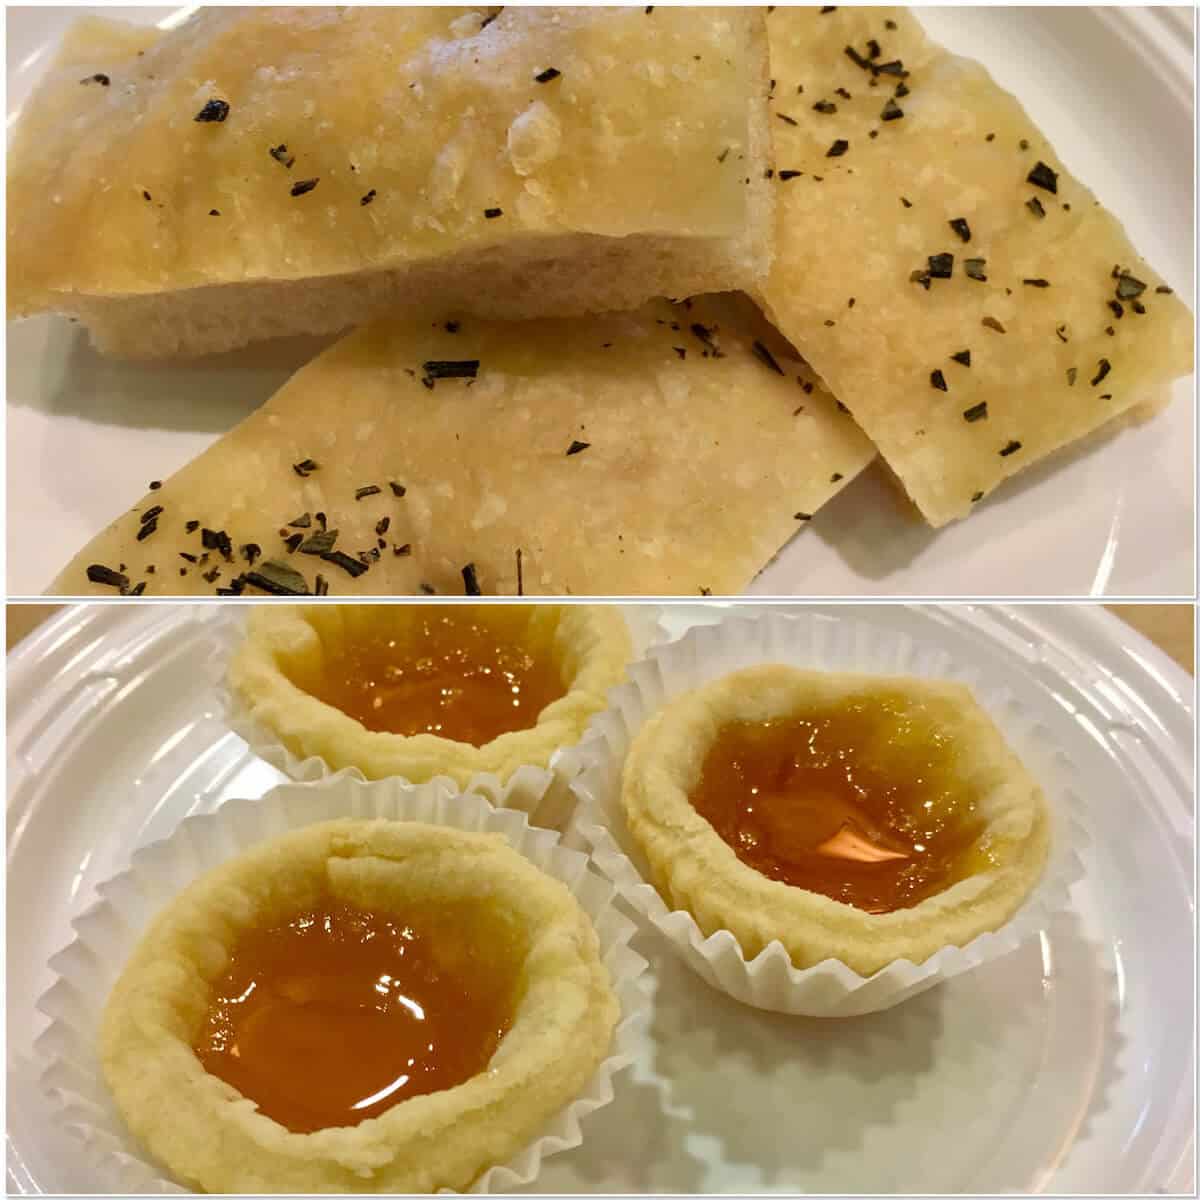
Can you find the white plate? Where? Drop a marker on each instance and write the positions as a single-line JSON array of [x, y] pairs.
[[1066, 1066], [1114, 516]]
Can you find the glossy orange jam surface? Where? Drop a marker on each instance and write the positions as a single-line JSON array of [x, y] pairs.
[[440, 672], [859, 802], [338, 1014]]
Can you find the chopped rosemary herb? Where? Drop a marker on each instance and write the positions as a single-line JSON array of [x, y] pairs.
[[1128, 287], [767, 357], [351, 566], [320, 542], [941, 266], [467, 368], [1042, 176], [217, 539], [278, 579], [214, 110], [97, 573]]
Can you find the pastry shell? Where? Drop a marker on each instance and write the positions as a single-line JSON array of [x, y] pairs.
[[696, 869], [290, 727], [582, 943], [839, 639]]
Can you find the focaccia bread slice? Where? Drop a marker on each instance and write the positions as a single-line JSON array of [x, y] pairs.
[[267, 171], [969, 301], [668, 451]]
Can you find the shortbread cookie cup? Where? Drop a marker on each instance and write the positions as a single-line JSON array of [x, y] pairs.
[[110, 930], [766, 976], [308, 739]]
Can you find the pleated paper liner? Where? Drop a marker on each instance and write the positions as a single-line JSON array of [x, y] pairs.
[[819, 642], [107, 932]]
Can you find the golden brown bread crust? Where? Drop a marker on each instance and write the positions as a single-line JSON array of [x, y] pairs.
[[697, 468], [392, 154], [1038, 327]]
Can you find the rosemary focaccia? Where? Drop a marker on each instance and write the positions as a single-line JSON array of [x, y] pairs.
[[967, 299], [669, 451], [257, 172]]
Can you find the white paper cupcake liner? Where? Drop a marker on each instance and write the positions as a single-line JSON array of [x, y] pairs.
[[107, 932], [820, 642], [556, 801]]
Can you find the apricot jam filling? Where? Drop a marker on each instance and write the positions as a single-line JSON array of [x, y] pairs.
[[337, 1014], [860, 802], [441, 672]]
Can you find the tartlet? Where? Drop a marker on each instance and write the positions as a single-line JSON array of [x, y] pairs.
[[306, 674], [776, 886], [532, 932]]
